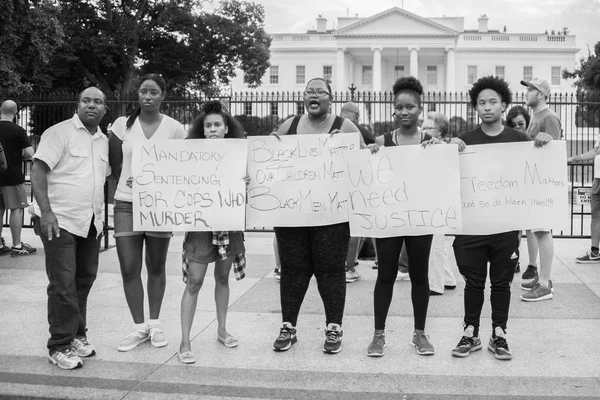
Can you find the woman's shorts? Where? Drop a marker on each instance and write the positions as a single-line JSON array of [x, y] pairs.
[[123, 221], [198, 246]]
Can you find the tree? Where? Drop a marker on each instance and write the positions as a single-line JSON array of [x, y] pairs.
[[112, 42], [587, 83], [29, 36]]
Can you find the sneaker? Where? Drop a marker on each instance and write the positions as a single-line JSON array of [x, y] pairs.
[[352, 275], [531, 284], [376, 346], [588, 258], [133, 340], [287, 337], [530, 273], [467, 343], [518, 268], [25, 250], [157, 337], [277, 274], [538, 293], [402, 276], [4, 249], [65, 359], [82, 347], [333, 339], [422, 344], [498, 345]]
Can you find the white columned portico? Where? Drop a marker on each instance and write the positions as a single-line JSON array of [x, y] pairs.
[[414, 61], [376, 68], [450, 70], [340, 73]]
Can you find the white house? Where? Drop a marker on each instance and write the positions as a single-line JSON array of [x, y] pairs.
[[371, 53]]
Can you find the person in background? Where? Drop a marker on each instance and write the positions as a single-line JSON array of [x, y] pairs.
[[3, 165], [67, 177], [440, 275], [144, 123], [314, 250], [489, 97], [518, 118], [351, 112], [224, 248], [13, 196], [592, 256], [546, 121], [407, 105]]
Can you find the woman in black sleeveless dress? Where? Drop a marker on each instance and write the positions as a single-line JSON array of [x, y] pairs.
[[318, 250], [407, 108]]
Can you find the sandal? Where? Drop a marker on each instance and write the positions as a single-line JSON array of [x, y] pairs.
[[186, 357], [229, 341]]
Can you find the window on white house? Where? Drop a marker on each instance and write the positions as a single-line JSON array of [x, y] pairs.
[[555, 78], [527, 73], [471, 74], [248, 108], [432, 74], [274, 74], [367, 75], [327, 72], [500, 69], [299, 108], [300, 74], [274, 108]]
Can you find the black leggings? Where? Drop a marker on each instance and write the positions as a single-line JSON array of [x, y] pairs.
[[388, 251], [318, 250]]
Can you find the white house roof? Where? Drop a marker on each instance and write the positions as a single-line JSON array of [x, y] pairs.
[[395, 22]]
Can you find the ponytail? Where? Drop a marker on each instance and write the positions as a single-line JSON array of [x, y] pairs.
[[131, 116]]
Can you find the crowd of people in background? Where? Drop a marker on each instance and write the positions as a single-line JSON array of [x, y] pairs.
[[75, 157]]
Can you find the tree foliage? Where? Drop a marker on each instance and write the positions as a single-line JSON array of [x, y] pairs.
[[587, 82], [30, 33], [112, 42]]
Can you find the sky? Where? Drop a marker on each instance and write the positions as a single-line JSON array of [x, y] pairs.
[[582, 17]]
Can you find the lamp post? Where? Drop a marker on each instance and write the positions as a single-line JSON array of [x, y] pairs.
[[352, 88]]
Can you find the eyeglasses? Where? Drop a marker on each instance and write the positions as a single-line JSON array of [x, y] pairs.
[[318, 93], [429, 128]]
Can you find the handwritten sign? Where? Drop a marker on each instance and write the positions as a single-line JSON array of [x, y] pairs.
[[189, 185], [298, 181], [405, 190], [514, 186]]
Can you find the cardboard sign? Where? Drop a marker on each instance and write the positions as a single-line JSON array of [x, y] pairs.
[[404, 190], [189, 185], [514, 186], [298, 181]]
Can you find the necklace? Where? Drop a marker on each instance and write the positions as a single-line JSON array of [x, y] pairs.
[[316, 128]]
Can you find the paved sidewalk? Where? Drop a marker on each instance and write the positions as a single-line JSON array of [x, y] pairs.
[[555, 343]]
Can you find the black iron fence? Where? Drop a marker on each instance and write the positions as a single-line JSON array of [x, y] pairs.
[[262, 112]]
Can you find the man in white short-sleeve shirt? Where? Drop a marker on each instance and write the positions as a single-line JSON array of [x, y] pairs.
[[68, 175]]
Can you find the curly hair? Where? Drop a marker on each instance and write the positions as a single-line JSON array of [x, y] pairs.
[[494, 83], [235, 130], [514, 112], [408, 84]]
